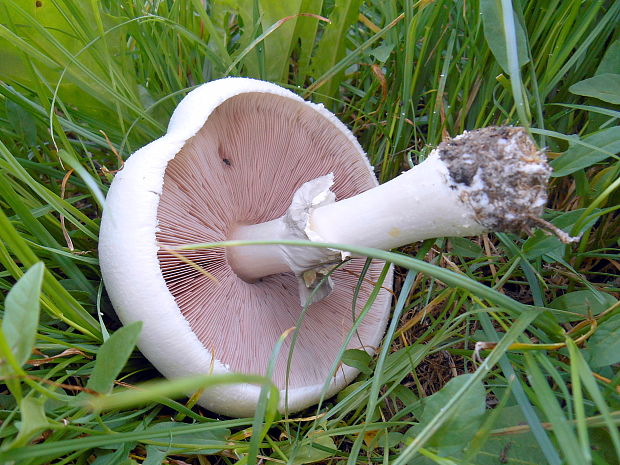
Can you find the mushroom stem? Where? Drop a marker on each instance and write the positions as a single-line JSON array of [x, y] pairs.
[[419, 204], [253, 262], [492, 179]]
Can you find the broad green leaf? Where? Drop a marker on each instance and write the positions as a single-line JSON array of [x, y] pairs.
[[611, 60], [382, 52], [604, 87], [581, 156], [404, 394], [279, 44], [13, 50], [333, 44], [21, 314], [308, 452], [603, 447], [604, 345], [43, 33], [491, 11], [579, 304], [154, 455], [357, 359], [33, 420], [519, 448], [465, 248], [112, 357], [456, 432], [306, 31]]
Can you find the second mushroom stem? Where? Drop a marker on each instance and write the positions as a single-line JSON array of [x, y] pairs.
[[492, 179]]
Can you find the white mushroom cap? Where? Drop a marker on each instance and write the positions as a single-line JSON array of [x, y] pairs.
[[235, 152]]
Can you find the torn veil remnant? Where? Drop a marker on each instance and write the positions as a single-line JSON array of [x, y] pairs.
[[246, 159]]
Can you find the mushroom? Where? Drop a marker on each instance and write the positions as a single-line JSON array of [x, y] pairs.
[[235, 153], [246, 159]]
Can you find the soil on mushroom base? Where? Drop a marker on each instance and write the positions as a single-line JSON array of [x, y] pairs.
[[501, 174]]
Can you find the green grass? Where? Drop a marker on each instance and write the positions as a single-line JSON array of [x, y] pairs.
[[81, 82]]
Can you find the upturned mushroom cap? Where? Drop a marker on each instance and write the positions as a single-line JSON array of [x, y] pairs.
[[235, 152]]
